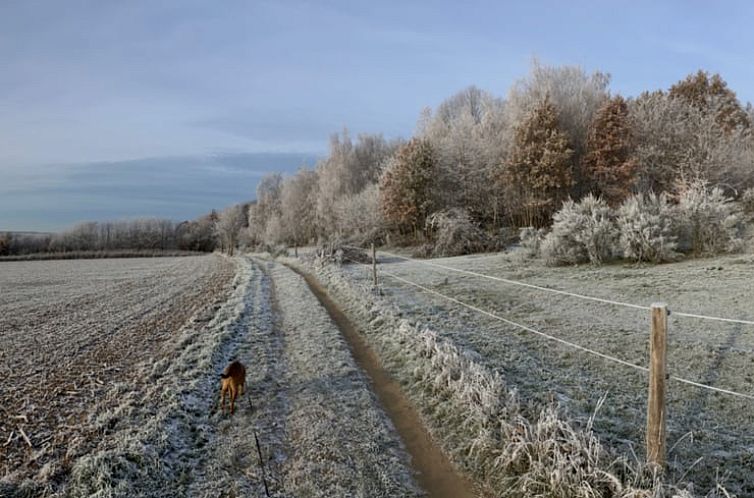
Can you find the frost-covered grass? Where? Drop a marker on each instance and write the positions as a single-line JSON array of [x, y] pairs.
[[517, 414], [159, 433]]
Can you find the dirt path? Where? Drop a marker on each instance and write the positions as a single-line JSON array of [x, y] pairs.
[[436, 475], [320, 429]]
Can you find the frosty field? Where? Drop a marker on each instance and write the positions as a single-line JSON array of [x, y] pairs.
[[70, 330], [709, 433], [111, 369]]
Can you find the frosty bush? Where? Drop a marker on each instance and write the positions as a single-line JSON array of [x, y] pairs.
[[646, 227], [709, 221], [747, 201], [455, 233], [531, 240], [581, 232]]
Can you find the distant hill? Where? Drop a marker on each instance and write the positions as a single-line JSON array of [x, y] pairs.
[[17, 232]]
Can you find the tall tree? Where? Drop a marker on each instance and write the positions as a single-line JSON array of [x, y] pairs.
[[298, 200], [406, 186], [538, 174], [347, 170], [576, 96], [710, 94], [228, 227], [608, 166], [467, 133]]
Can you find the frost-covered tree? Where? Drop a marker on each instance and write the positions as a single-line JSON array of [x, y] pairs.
[[197, 235], [347, 170], [6, 239], [266, 207], [406, 187], [576, 97], [298, 202], [663, 131], [360, 217], [538, 173], [467, 134], [676, 142], [228, 227], [609, 167], [710, 94]]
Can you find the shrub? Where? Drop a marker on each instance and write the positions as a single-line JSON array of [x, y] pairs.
[[336, 251], [646, 227], [709, 221], [581, 232], [455, 233], [531, 240]]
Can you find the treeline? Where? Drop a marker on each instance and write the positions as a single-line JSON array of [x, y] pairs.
[[480, 167], [150, 234]]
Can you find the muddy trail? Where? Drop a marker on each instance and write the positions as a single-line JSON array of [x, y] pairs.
[[435, 473]]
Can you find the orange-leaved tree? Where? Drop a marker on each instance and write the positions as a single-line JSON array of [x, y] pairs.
[[406, 187], [539, 172], [609, 167]]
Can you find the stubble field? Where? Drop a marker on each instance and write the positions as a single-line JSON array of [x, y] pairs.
[[70, 330]]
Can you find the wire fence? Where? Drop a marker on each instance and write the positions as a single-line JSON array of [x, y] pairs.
[[550, 337], [566, 293]]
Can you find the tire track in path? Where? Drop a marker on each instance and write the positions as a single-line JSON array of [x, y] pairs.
[[435, 473]]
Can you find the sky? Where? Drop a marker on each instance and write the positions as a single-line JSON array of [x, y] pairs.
[[113, 109]]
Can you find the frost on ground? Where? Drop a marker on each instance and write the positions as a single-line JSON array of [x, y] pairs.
[[157, 431], [73, 336], [342, 443], [489, 391], [321, 431]]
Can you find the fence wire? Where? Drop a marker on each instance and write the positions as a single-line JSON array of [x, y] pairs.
[[578, 347]]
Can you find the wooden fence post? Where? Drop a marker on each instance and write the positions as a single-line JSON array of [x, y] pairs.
[[657, 375], [374, 265]]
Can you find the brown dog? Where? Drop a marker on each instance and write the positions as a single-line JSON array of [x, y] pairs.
[[232, 382]]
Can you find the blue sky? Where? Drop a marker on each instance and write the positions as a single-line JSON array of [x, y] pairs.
[[116, 109]]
